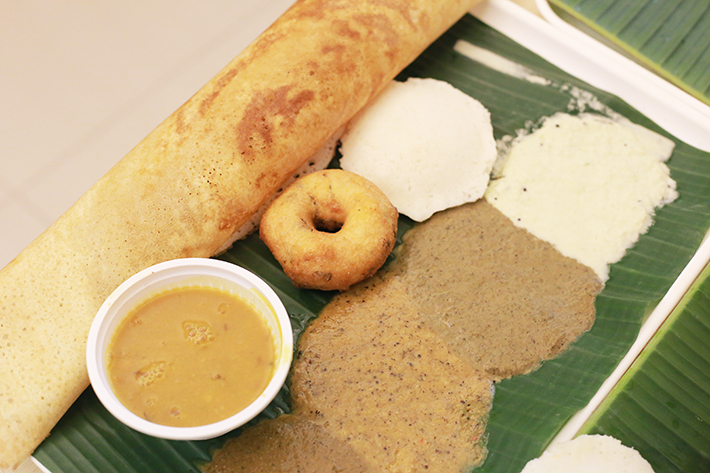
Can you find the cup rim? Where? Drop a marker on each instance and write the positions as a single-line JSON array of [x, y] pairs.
[[183, 268]]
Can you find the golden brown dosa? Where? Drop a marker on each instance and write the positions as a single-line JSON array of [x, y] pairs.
[[190, 183]]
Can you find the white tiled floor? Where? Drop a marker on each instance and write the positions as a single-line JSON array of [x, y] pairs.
[[82, 82]]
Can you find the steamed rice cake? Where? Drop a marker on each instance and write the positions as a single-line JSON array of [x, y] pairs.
[[427, 145], [589, 454]]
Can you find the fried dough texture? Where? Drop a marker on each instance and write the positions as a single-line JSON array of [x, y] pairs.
[[185, 188], [330, 230]]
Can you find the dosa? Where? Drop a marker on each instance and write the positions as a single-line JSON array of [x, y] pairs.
[[194, 180]]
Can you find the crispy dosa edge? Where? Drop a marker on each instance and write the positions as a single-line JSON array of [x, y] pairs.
[[190, 184]]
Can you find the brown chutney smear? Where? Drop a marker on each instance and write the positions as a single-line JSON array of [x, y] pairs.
[[499, 296], [374, 383], [397, 371], [287, 444], [384, 383]]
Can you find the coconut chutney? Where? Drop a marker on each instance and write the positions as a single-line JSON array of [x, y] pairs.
[[586, 183]]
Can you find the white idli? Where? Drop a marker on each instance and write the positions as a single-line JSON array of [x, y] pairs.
[[589, 454], [427, 145]]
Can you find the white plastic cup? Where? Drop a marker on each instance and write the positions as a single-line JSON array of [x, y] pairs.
[[183, 273]]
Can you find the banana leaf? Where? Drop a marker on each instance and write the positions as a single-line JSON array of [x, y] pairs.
[[528, 410], [661, 405], [672, 38]]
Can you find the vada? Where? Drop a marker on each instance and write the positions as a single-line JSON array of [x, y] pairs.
[[330, 230]]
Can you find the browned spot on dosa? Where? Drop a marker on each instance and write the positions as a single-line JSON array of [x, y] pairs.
[[220, 84], [268, 110]]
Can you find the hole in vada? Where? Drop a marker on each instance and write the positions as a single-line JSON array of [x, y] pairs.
[[327, 225]]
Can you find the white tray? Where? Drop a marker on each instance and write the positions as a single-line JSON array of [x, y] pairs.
[[680, 114], [674, 110]]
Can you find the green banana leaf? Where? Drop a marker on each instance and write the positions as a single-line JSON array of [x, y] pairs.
[[672, 37], [661, 405], [528, 410]]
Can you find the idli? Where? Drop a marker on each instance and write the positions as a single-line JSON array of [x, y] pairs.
[[589, 454], [427, 145]]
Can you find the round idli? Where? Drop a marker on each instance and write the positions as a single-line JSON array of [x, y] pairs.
[[589, 454], [427, 145]]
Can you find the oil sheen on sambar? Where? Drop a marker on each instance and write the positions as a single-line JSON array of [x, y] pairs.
[[191, 356]]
